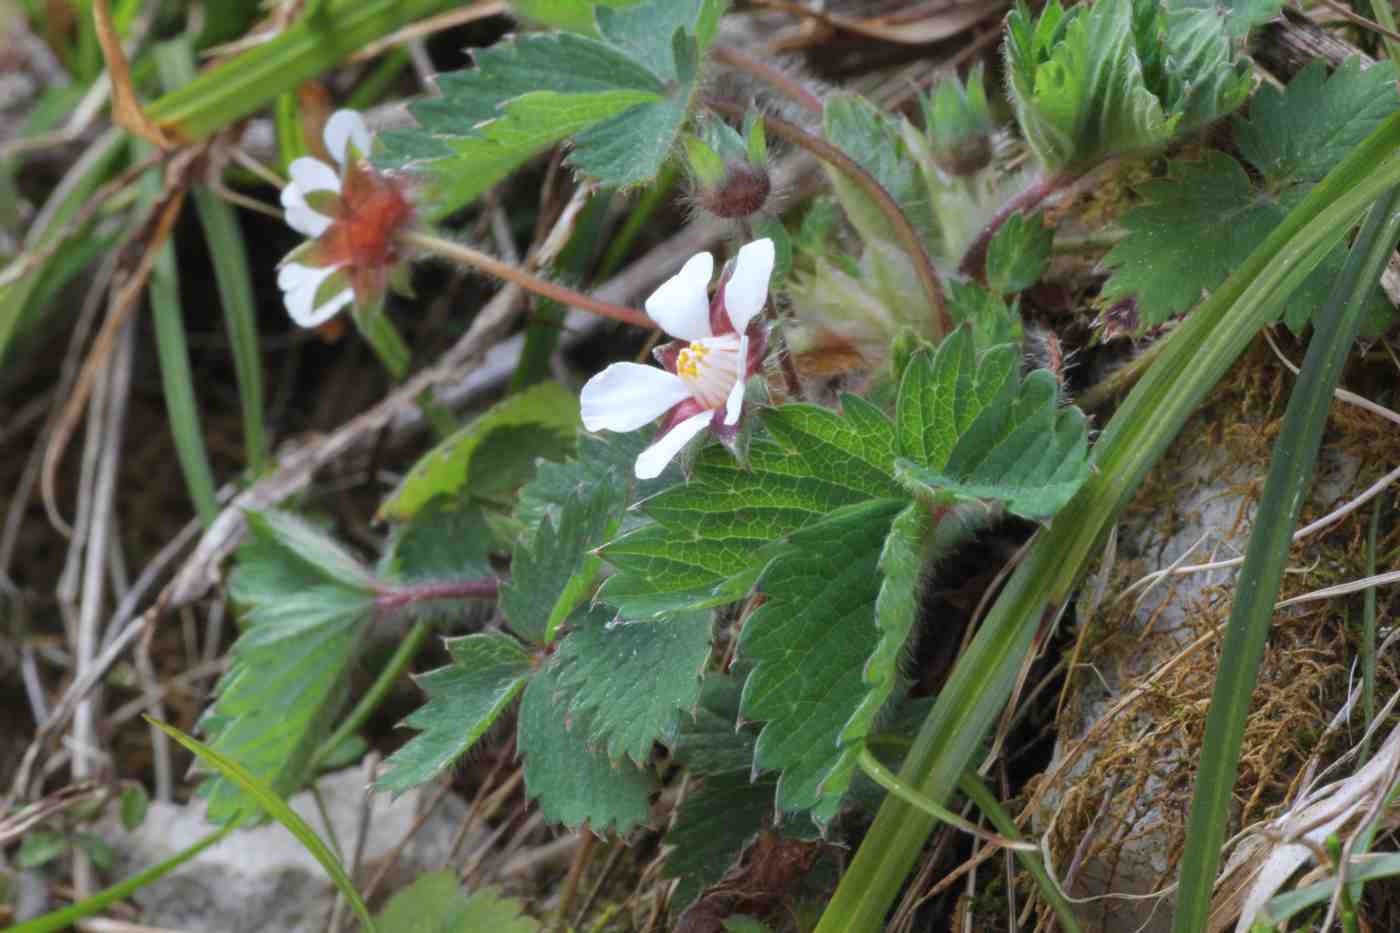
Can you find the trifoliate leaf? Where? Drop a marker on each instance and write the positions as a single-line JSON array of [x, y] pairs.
[[287, 675], [704, 847], [711, 739], [901, 568], [487, 672], [553, 571], [1018, 254], [493, 455], [447, 539], [600, 459], [436, 903], [1292, 138], [709, 539], [973, 430], [1119, 76], [632, 682], [573, 780], [809, 643], [622, 96]]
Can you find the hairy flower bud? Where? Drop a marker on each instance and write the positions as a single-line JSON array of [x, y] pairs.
[[742, 192]]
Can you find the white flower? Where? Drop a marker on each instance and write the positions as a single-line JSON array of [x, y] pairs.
[[702, 383], [351, 214]]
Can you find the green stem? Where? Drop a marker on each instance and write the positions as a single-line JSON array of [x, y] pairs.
[[1256, 588], [68, 916], [475, 259], [398, 663], [637, 221], [890, 782], [1031, 861]]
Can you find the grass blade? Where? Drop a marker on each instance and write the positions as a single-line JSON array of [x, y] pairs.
[[1256, 588], [68, 916], [1285, 906], [176, 375], [232, 276], [276, 808]]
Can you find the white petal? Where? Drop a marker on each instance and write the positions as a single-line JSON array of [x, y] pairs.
[[681, 306], [747, 288], [346, 126], [300, 216], [654, 459], [735, 403], [310, 174], [300, 294], [626, 396]]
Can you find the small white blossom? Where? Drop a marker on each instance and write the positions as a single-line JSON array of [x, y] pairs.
[[351, 214], [702, 383]]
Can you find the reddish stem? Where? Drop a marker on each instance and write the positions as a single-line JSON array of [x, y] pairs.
[[974, 261], [399, 597], [741, 61], [908, 236]]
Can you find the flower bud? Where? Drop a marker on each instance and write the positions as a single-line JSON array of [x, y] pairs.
[[959, 125]]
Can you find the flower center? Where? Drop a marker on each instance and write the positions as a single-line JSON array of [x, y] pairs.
[[710, 368]]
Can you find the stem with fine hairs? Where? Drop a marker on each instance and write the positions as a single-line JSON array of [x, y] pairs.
[[742, 61], [465, 255], [908, 236]]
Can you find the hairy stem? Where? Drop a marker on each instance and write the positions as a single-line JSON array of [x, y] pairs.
[[742, 61], [399, 597], [872, 189], [974, 261], [465, 255]]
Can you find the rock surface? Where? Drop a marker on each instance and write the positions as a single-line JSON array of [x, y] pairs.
[[261, 879]]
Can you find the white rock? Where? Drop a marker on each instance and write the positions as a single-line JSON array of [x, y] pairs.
[[262, 879]]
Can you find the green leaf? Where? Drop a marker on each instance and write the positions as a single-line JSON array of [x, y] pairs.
[[305, 603], [487, 671], [133, 805], [446, 539], [713, 739], [600, 459], [1292, 138], [809, 642], [494, 454], [436, 903], [39, 847], [1121, 76], [1018, 254], [873, 139], [993, 322], [573, 15], [703, 848], [743, 923], [972, 430], [631, 682], [101, 854], [623, 96], [710, 534], [264, 797], [553, 571], [1240, 15], [574, 782]]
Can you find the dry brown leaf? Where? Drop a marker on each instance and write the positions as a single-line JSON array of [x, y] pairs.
[[919, 24], [126, 109]]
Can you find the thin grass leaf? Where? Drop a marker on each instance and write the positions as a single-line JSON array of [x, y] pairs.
[[68, 916], [232, 276], [1290, 472], [176, 374], [1286, 906], [279, 811]]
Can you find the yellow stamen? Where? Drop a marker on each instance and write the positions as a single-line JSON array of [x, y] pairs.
[[689, 360]]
